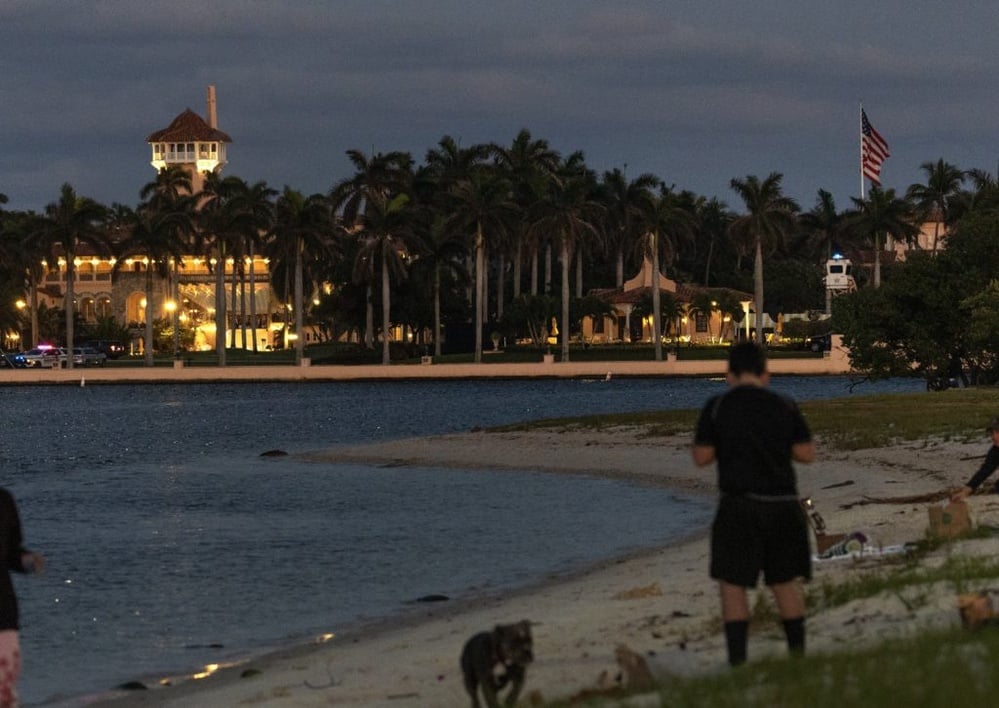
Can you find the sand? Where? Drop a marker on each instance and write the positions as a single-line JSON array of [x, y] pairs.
[[660, 604]]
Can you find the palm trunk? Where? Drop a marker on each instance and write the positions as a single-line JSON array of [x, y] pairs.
[[437, 312], [548, 267], [619, 269], [479, 268], [369, 317], [34, 312], [565, 299], [517, 258], [758, 290], [70, 296], [656, 300], [233, 308], [386, 307], [500, 285], [579, 272], [299, 315], [220, 314], [147, 354], [534, 272], [253, 304]]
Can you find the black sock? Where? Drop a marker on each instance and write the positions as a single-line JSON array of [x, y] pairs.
[[736, 634], [794, 630]]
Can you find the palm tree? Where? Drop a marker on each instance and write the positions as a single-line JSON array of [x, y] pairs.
[[881, 214], [442, 249], [159, 236], [221, 221], [822, 225], [567, 212], [625, 203], [71, 222], [769, 218], [943, 183], [380, 177], [668, 221], [482, 205], [303, 238], [712, 219], [529, 165], [386, 238], [256, 208]]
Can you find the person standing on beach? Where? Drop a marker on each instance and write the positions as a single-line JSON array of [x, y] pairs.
[[987, 468], [754, 435], [18, 559]]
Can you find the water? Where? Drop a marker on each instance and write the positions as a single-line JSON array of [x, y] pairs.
[[171, 543]]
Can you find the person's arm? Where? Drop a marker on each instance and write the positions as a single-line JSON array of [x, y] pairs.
[[987, 468]]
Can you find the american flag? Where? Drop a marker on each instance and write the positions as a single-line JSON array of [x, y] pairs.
[[873, 150]]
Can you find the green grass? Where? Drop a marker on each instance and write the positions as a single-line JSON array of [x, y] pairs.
[[854, 423]]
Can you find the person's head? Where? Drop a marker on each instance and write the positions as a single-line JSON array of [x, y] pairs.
[[993, 430], [747, 359]]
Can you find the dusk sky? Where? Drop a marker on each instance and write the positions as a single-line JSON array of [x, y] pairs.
[[694, 92]]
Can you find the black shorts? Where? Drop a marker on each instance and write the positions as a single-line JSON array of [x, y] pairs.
[[750, 536]]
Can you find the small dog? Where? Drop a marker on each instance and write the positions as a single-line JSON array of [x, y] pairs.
[[494, 659]]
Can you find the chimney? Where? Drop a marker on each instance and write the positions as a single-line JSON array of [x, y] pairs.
[[212, 118]]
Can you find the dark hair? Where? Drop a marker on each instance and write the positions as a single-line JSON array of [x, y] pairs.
[[993, 425], [747, 358]]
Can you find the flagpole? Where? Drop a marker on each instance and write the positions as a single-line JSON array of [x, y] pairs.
[[861, 118]]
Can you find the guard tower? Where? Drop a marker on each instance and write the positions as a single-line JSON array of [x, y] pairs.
[[838, 278], [192, 142]]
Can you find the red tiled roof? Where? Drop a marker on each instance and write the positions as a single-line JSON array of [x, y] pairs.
[[188, 126]]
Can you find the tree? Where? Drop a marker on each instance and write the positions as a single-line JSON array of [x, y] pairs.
[[482, 206], [625, 204], [159, 237], [442, 249], [880, 215], [822, 226], [933, 199], [932, 315], [71, 222], [303, 240], [386, 239], [529, 164], [667, 222], [379, 177], [568, 212], [769, 218]]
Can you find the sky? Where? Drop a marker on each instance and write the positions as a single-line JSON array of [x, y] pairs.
[[697, 93]]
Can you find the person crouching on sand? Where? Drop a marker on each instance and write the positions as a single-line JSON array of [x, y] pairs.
[[754, 435], [987, 468]]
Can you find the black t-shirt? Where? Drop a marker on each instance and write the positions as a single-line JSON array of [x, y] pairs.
[[752, 430]]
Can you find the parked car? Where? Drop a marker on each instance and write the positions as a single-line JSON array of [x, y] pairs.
[[111, 348], [819, 342], [83, 356], [7, 361], [44, 357]]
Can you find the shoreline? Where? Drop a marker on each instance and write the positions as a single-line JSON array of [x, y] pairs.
[[836, 364], [658, 602]]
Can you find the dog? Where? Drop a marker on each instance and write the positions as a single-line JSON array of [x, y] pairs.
[[491, 660]]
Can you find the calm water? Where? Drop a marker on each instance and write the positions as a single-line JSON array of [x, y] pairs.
[[171, 543]]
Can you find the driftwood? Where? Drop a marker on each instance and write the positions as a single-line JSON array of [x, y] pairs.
[[929, 498]]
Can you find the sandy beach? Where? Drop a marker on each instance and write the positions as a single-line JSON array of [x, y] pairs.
[[659, 603]]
